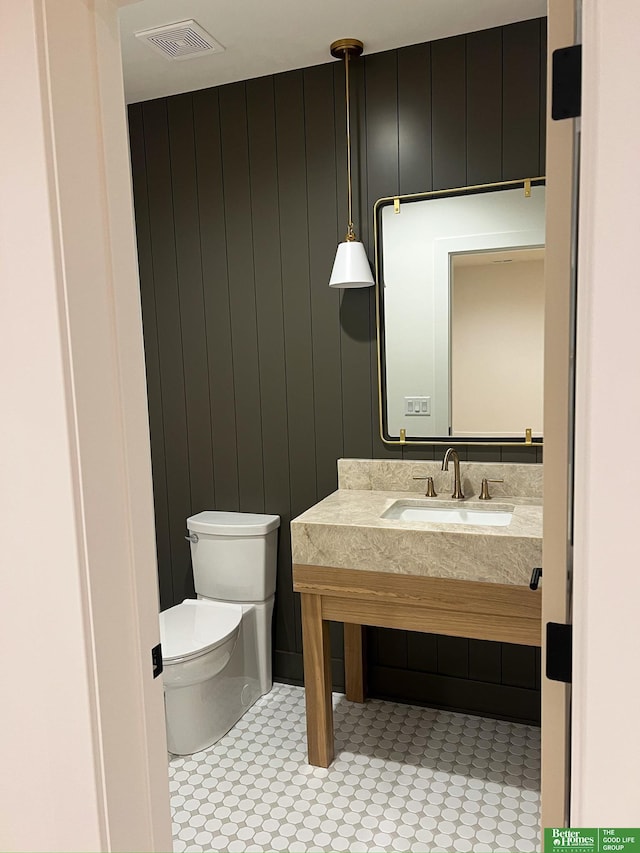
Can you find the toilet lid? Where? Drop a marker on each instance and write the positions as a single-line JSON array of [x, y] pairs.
[[217, 523], [195, 627]]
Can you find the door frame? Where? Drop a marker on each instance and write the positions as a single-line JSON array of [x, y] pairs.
[[558, 423]]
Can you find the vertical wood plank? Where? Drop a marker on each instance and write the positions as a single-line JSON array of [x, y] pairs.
[[430, 452], [448, 106], [520, 455], [519, 666], [242, 296], [358, 311], [336, 631], [483, 454], [355, 331], [485, 661], [317, 682], [381, 94], [484, 106], [340, 149], [294, 251], [271, 350], [391, 647], [453, 656], [191, 300], [362, 204], [325, 305], [213, 248], [383, 179], [422, 652], [152, 356], [521, 100], [161, 220], [358, 394], [538, 667], [414, 119]]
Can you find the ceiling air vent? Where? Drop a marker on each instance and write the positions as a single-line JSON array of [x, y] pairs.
[[183, 40]]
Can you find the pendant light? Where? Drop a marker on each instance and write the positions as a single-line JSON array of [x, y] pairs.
[[351, 266]]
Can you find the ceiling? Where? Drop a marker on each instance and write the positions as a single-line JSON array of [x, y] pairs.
[[268, 36]]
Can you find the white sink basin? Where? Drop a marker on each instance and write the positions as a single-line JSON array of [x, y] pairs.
[[494, 516]]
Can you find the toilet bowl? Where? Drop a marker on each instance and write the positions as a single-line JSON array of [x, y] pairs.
[[200, 636], [216, 649]]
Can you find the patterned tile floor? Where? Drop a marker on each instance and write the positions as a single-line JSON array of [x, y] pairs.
[[405, 779]]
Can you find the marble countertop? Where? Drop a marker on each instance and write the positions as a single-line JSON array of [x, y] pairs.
[[345, 530]]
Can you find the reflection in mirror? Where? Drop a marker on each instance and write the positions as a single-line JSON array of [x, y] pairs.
[[461, 303], [497, 343]]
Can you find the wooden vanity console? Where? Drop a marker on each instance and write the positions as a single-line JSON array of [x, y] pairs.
[[506, 613]]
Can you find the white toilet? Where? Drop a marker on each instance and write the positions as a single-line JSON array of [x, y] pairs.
[[216, 650]]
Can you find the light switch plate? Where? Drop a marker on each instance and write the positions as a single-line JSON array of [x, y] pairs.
[[417, 406]]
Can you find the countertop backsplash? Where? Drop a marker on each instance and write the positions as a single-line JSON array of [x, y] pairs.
[[398, 475]]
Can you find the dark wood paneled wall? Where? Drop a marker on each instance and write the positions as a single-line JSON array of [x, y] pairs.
[[259, 376]]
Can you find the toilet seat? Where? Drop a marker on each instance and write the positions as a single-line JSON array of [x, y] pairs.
[[196, 627]]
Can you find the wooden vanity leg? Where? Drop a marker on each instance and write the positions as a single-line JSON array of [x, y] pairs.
[[316, 649], [354, 662]]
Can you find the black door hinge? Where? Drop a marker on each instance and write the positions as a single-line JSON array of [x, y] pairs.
[[566, 82], [559, 651], [156, 660]]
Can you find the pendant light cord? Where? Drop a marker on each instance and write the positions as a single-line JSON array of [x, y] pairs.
[[350, 232]]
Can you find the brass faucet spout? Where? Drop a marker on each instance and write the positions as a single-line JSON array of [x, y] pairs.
[[452, 453]]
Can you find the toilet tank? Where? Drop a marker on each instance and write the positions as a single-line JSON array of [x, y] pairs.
[[235, 555]]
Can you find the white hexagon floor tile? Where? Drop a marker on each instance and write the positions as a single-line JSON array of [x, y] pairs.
[[405, 779]]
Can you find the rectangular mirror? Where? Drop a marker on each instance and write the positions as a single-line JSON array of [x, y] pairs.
[[460, 302]]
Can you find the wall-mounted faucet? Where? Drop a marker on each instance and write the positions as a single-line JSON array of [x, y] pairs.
[[452, 453]]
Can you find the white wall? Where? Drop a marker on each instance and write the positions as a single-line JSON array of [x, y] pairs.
[[83, 761], [497, 348], [606, 685]]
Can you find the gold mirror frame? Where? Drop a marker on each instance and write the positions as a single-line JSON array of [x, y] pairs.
[[528, 440]]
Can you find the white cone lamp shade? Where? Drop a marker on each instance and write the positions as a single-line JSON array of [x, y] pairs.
[[351, 266]]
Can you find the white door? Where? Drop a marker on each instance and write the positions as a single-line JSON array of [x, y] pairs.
[[84, 750]]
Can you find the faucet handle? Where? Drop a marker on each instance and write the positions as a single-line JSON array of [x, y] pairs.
[[431, 492], [484, 490]]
